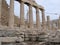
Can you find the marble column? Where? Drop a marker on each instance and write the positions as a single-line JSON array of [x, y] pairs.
[[22, 22], [0, 43], [30, 17], [52, 26], [0, 10], [59, 23], [43, 20], [48, 22], [11, 14], [37, 18]]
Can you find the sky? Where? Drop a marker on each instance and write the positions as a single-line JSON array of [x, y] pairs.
[[52, 7]]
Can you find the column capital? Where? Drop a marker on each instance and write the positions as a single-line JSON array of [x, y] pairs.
[[42, 10], [37, 9], [30, 5], [22, 1]]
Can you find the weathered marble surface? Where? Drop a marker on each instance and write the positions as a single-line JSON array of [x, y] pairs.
[[28, 36]]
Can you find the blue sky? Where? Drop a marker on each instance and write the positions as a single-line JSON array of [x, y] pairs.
[[51, 6]]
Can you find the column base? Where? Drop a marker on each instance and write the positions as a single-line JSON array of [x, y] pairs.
[[11, 27], [31, 27], [22, 27], [2, 27]]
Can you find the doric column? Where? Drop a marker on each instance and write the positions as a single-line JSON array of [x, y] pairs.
[[11, 14], [37, 18], [0, 10], [59, 23], [22, 22], [48, 22], [30, 17], [43, 20]]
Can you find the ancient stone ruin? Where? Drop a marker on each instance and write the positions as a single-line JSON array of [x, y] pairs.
[[15, 31]]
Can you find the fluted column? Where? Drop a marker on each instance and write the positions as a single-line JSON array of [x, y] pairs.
[[59, 23], [43, 20], [30, 17], [48, 22], [37, 18], [0, 10], [22, 22], [11, 14]]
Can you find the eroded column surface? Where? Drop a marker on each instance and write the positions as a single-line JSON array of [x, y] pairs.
[[43, 20], [0, 10], [22, 23], [0, 43], [59, 23], [11, 14], [37, 18], [30, 17], [48, 22], [52, 26]]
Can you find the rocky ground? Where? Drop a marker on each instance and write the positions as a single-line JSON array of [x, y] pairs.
[[40, 37]]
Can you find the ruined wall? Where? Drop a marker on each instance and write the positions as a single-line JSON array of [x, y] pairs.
[[5, 15]]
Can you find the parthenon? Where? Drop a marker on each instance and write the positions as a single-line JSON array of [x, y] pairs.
[[13, 30]]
